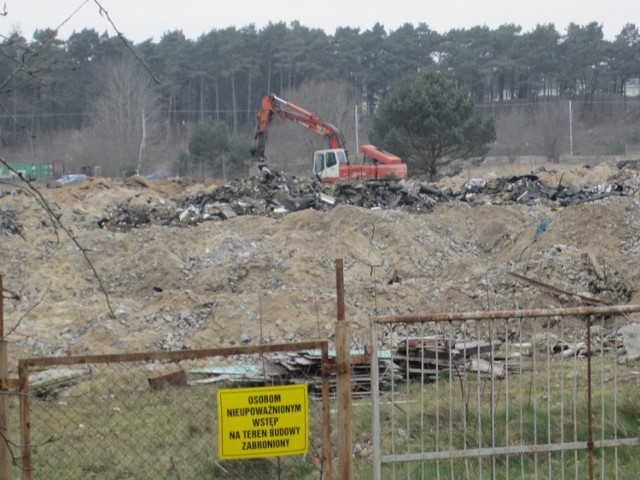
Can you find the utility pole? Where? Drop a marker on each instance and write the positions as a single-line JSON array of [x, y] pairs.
[[570, 129]]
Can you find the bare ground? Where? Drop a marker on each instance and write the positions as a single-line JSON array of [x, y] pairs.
[[273, 279]]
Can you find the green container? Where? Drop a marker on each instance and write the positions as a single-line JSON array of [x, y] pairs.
[[34, 171]]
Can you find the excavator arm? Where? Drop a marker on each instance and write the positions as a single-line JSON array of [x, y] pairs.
[[273, 105], [330, 164]]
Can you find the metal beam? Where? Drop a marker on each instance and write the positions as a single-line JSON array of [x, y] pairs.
[[505, 314]]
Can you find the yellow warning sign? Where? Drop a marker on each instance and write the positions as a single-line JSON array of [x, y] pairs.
[[263, 421]]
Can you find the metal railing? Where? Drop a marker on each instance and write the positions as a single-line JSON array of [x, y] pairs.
[[505, 394]]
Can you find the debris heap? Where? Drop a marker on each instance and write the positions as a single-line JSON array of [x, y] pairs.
[[279, 194]]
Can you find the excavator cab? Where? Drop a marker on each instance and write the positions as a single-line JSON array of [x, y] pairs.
[[326, 163]]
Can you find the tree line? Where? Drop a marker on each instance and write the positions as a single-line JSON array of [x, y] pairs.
[[223, 74], [93, 83]]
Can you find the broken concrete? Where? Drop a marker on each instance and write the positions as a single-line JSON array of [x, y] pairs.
[[631, 340]]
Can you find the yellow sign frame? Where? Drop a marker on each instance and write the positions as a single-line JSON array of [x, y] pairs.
[[263, 421]]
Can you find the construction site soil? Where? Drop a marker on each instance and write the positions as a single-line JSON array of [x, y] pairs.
[[155, 265]]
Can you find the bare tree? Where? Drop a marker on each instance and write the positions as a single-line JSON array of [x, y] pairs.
[[126, 119], [512, 133], [552, 119]]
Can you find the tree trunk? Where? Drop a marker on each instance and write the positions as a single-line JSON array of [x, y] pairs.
[[170, 107], [249, 99], [433, 169], [142, 142], [234, 107], [269, 76], [217, 106], [202, 102]]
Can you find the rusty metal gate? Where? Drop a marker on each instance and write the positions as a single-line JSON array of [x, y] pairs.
[[153, 415], [541, 394]]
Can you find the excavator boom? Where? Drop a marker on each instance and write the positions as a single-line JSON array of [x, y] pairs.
[[332, 164], [273, 105]]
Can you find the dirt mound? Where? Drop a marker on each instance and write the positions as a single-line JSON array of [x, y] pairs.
[[175, 284]]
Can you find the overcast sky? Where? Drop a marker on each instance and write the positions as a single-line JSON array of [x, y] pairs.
[[140, 20]]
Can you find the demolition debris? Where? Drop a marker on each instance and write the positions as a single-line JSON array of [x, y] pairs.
[[278, 195], [273, 195]]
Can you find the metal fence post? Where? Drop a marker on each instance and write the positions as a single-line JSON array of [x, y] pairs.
[[25, 424], [5, 454], [375, 405], [343, 363], [589, 399], [327, 461]]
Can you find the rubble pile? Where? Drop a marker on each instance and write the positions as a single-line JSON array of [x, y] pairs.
[[423, 358], [8, 224], [191, 265], [306, 367], [299, 367], [278, 194], [532, 190], [428, 357]]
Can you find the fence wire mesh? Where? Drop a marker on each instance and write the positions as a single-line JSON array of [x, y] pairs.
[[152, 419], [543, 398]]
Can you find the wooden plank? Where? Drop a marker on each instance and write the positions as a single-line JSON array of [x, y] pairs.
[[484, 366]]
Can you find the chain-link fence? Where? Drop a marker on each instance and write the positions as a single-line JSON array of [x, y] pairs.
[[155, 415], [541, 394]]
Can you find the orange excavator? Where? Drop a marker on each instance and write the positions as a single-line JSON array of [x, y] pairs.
[[332, 164]]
